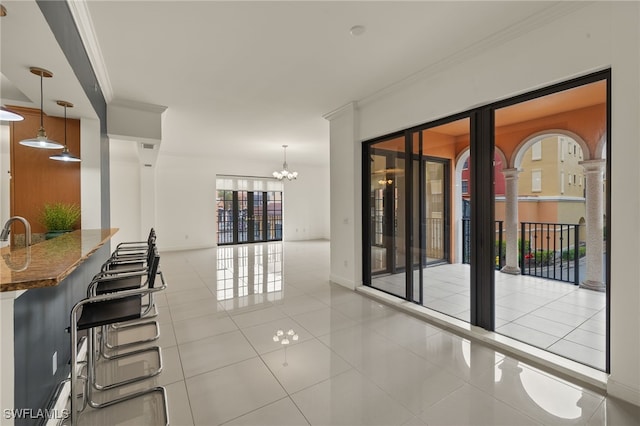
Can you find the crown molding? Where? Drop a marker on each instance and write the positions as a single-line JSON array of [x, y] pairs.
[[139, 106], [350, 107], [82, 17], [513, 31]]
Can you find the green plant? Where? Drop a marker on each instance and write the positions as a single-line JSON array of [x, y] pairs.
[[60, 216], [569, 254]]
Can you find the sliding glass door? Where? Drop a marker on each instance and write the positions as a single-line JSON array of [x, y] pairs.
[[552, 290], [249, 216], [386, 220], [440, 280], [499, 217]]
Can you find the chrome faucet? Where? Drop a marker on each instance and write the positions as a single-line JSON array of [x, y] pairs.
[[4, 235]]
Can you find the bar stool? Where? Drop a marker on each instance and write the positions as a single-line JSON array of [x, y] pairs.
[[132, 247], [122, 281], [130, 254], [101, 310], [127, 276]]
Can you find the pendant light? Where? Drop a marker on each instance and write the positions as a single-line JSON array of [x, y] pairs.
[[65, 155], [285, 173], [8, 115], [41, 140]]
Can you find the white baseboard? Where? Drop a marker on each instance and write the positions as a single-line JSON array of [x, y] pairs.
[[622, 391], [62, 401], [351, 285], [186, 248]]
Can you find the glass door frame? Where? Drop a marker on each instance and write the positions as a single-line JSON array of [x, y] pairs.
[[250, 218], [388, 208], [482, 241]]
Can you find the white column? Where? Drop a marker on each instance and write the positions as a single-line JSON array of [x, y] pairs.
[[593, 170], [345, 197], [511, 220]]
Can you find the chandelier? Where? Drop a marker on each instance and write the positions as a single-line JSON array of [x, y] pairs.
[[285, 173]]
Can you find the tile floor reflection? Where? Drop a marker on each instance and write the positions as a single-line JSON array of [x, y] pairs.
[[556, 316], [356, 362]]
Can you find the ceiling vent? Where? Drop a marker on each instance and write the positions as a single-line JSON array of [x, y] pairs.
[[147, 165], [148, 146]]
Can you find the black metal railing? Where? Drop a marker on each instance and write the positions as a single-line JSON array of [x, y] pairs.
[[466, 241], [499, 247], [550, 250], [435, 238]]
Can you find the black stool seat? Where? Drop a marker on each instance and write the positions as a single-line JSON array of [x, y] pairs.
[[106, 312], [125, 283]]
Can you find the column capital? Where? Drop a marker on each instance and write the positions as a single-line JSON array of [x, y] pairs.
[[597, 165], [511, 173]]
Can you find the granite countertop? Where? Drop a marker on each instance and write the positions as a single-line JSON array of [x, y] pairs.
[[47, 263]]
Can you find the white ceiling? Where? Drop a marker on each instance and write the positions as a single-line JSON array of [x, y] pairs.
[[242, 78]]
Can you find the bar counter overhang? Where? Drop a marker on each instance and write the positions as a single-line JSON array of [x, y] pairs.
[[38, 287]]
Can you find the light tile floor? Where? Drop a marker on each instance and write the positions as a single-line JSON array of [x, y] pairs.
[[557, 316], [356, 362]]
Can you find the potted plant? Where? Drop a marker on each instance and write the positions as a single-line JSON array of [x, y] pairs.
[[59, 218]]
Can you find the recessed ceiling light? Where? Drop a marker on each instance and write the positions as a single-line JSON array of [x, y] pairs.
[[357, 30]]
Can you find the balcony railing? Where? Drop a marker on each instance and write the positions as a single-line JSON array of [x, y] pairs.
[[499, 247], [546, 250], [550, 250]]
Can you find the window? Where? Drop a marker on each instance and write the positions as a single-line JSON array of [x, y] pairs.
[[403, 265], [536, 180], [536, 151]]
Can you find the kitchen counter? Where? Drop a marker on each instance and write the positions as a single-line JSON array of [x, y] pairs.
[[49, 262], [39, 285]]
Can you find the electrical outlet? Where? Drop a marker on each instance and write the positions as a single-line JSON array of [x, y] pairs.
[[54, 361]]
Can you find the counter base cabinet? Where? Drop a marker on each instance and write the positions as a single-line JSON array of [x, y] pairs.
[[41, 317]]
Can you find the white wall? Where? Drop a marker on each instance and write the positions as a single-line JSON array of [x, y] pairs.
[[185, 187], [5, 166], [594, 37], [125, 191], [90, 173], [346, 196], [306, 205]]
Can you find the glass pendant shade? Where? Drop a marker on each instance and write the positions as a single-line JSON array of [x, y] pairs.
[[65, 155], [285, 173], [41, 140], [8, 115]]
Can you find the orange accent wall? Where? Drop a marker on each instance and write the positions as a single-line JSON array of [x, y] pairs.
[[36, 179], [588, 123], [531, 211]]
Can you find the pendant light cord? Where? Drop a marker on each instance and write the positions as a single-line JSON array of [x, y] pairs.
[[65, 126], [41, 102]]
